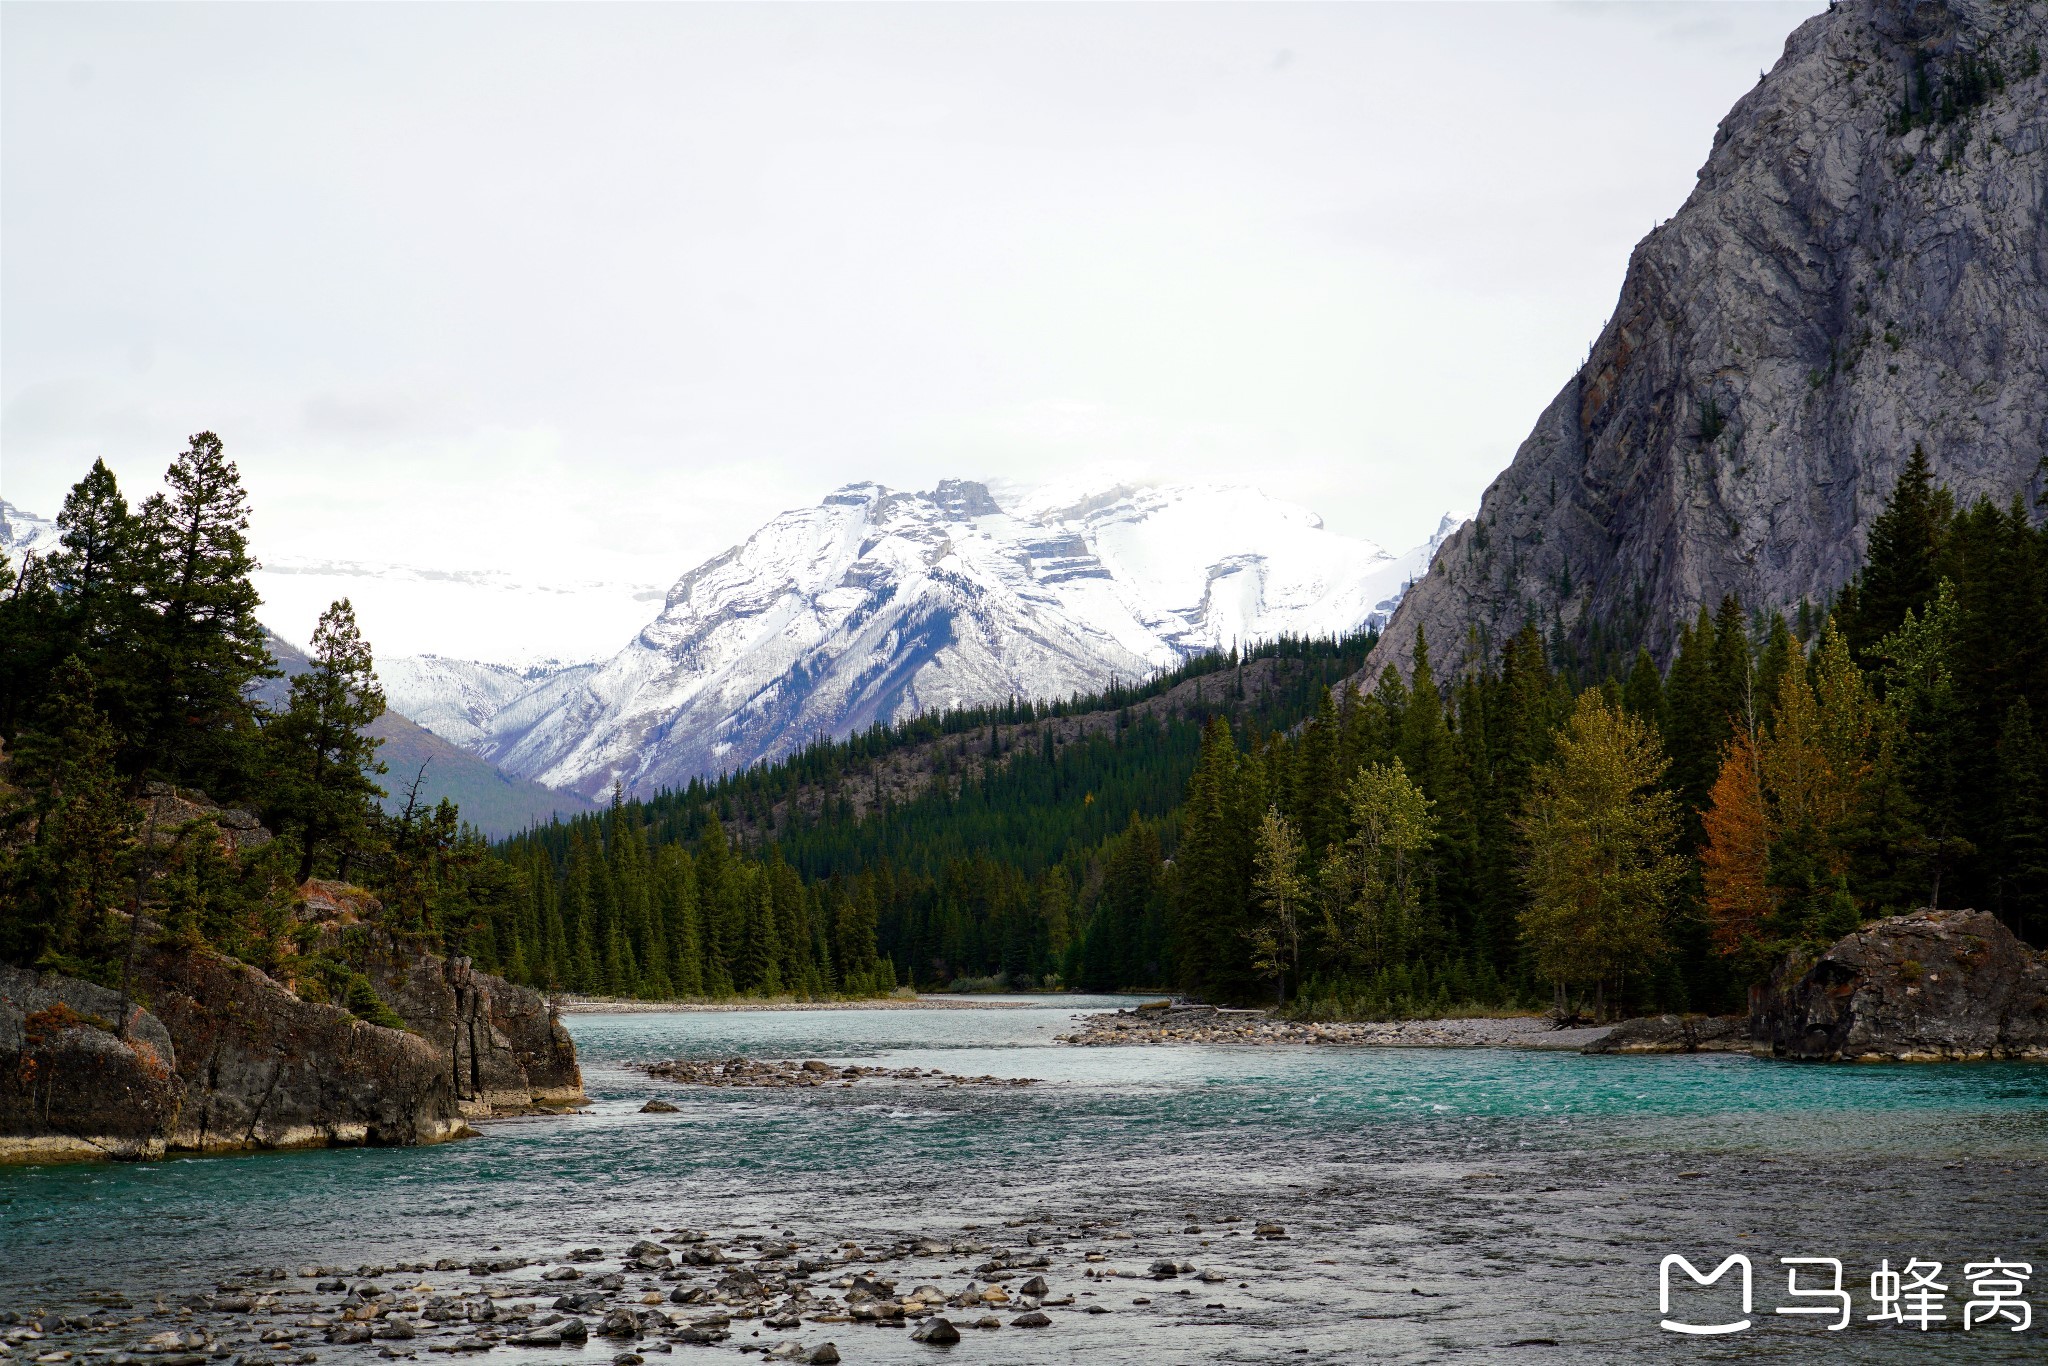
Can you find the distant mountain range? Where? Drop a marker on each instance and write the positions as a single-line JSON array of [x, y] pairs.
[[878, 604], [873, 606]]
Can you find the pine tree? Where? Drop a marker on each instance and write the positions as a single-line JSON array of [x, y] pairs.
[[68, 840], [202, 645], [321, 764], [1901, 563]]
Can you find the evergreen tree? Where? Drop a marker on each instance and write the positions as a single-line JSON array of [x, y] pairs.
[[322, 765], [68, 838], [1901, 562], [202, 646]]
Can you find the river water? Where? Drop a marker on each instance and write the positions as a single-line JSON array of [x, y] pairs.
[[1440, 1205]]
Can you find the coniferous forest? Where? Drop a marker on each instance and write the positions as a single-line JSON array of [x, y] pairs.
[[1538, 833]]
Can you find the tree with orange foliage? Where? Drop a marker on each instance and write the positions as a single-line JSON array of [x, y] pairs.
[[1736, 860]]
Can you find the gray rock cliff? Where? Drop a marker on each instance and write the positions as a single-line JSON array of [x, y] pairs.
[[1863, 266], [1933, 986]]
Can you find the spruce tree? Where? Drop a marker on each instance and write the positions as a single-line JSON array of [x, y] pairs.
[[64, 860], [202, 646], [321, 764], [1901, 562]]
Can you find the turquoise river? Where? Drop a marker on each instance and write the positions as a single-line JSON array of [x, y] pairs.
[[1440, 1205]]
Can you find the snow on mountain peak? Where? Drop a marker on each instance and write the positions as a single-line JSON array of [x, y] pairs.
[[875, 604]]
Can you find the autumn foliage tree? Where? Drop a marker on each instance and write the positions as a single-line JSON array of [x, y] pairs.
[[1602, 862]]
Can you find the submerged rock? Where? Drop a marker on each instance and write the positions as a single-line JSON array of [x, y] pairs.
[[1933, 986]]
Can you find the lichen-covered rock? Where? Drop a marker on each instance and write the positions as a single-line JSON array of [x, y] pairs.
[[1932, 986], [1675, 1034], [263, 1069], [1838, 287], [73, 1082]]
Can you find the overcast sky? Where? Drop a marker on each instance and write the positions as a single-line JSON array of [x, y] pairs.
[[596, 289]]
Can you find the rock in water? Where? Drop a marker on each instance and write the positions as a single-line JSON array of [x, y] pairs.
[[1842, 283], [72, 1083], [229, 1058], [936, 1332], [657, 1107], [1675, 1034], [1932, 986]]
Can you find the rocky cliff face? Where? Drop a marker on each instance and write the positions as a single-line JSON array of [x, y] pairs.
[[226, 1058], [1860, 269], [72, 1086], [500, 1047], [1933, 986]]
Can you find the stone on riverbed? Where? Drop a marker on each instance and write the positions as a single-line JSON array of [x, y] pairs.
[[936, 1332]]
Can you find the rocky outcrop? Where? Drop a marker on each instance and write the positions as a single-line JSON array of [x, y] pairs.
[[165, 809], [501, 1047], [1863, 266], [226, 1058], [261, 1068], [1676, 1034], [1933, 986], [74, 1082]]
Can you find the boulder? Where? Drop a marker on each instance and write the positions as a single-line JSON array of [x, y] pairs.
[[1676, 1034], [1932, 986], [76, 1084]]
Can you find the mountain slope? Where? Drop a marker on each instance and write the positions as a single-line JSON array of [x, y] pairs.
[[494, 802], [1860, 268], [876, 605]]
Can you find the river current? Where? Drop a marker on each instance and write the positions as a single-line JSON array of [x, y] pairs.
[[1439, 1205]]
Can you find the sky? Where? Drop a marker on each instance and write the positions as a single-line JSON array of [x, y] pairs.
[[583, 294]]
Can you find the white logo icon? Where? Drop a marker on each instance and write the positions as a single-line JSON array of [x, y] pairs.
[[1664, 1294]]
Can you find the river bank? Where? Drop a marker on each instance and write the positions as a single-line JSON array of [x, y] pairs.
[[598, 1005], [1240, 1028]]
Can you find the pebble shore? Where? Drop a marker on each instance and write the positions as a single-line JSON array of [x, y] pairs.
[[775, 1294], [780, 1073], [1171, 1024]]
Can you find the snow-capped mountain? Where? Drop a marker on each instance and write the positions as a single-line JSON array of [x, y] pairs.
[[23, 533], [877, 604], [457, 698]]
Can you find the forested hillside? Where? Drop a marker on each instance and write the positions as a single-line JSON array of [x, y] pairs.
[[1532, 832], [1525, 833]]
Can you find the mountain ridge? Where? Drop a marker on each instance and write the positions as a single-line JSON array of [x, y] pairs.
[[1859, 269], [876, 604]]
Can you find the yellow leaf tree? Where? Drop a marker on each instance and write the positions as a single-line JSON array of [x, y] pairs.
[[1600, 863]]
